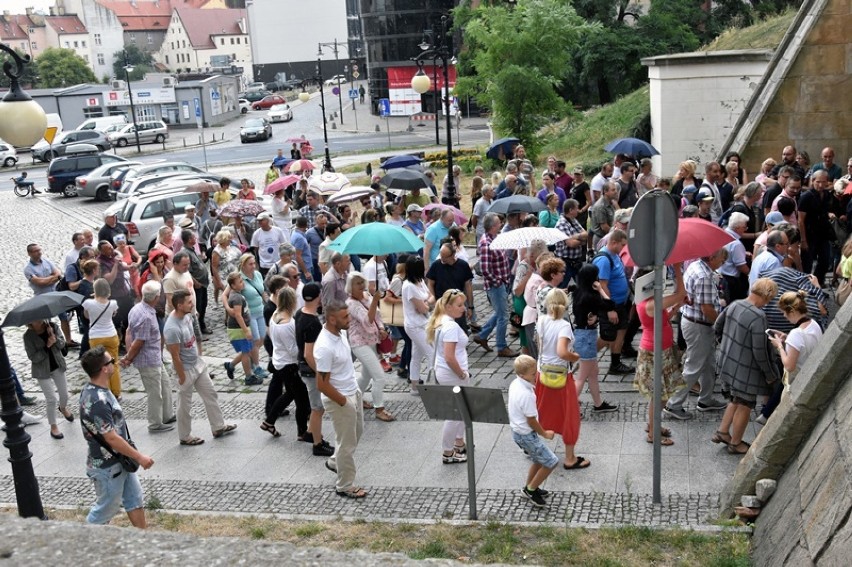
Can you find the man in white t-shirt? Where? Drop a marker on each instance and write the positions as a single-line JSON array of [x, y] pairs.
[[599, 180], [376, 274], [266, 240], [341, 397]]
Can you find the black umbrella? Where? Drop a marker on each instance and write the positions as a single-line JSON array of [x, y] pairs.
[[516, 204], [632, 147], [42, 307], [405, 180], [502, 148]]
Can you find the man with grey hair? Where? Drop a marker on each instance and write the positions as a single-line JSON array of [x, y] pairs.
[[334, 280], [145, 353], [735, 269], [510, 185], [712, 176], [290, 272], [480, 208], [777, 245]]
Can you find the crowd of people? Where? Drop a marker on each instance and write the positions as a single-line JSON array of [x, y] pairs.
[[299, 313]]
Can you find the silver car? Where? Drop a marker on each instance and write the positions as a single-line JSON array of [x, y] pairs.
[[46, 152], [96, 183], [150, 132], [164, 168]]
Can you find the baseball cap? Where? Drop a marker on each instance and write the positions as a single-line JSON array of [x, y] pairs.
[[704, 195], [311, 291], [774, 218], [186, 223], [264, 215], [414, 207], [689, 189], [578, 170]]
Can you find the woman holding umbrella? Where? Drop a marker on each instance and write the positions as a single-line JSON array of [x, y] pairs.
[[44, 343]]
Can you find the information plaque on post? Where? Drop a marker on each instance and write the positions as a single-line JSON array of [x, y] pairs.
[[468, 404]]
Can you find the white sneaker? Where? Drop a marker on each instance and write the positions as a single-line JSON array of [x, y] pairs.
[[30, 419], [761, 419]]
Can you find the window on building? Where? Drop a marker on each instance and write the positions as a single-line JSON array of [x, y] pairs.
[[97, 39], [238, 41], [100, 59], [173, 45], [35, 47], [145, 112], [150, 39], [76, 44], [83, 43], [67, 45], [184, 43], [133, 38], [232, 41], [167, 59], [221, 41], [93, 112], [86, 57], [23, 46]]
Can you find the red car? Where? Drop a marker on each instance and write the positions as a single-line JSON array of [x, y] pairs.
[[268, 101]]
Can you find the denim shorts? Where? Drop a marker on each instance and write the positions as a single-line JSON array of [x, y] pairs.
[[313, 392], [536, 449], [394, 332], [241, 345], [586, 343], [114, 488], [258, 327]]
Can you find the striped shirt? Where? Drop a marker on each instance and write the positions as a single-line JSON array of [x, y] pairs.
[[788, 279], [700, 284]]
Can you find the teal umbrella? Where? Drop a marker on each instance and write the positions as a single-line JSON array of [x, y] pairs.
[[376, 239]]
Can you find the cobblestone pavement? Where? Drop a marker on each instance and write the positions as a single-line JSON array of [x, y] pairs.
[[416, 503]]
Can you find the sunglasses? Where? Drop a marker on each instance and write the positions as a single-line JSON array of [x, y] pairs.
[[110, 361]]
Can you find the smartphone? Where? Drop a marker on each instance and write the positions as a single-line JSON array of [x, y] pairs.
[[771, 333]]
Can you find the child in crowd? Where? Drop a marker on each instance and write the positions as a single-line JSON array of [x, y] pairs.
[[527, 431], [239, 332]]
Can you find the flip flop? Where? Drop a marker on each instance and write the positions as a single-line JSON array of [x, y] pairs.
[[382, 415], [665, 431], [355, 493], [580, 463], [719, 437], [192, 441], [664, 441]]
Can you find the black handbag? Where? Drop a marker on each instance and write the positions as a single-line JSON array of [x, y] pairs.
[[127, 463]]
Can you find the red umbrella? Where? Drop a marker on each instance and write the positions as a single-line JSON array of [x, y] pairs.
[[696, 238], [460, 216], [299, 165], [281, 183]]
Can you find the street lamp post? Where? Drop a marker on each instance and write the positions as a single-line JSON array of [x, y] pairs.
[[420, 83], [304, 97], [128, 68], [334, 47], [22, 123]]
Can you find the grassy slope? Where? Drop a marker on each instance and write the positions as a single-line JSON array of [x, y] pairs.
[[762, 35], [580, 140]]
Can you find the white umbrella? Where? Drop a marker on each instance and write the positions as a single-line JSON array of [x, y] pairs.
[[350, 193], [423, 191], [328, 183], [524, 237]]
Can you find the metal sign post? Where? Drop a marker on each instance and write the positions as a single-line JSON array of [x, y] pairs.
[[353, 96], [468, 404], [651, 236], [384, 110], [199, 122]]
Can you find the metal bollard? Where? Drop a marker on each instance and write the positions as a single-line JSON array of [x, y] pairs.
[[378, 129]]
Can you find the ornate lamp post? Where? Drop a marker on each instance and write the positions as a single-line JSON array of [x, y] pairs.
[[128, 68], [421, 83], [22, 123], [304, 97]]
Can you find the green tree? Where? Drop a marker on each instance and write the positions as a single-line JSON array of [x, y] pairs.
[[27, 79], [62, 67], [516, 59], [141, 61]]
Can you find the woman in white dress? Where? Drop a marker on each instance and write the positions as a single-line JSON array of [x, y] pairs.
[[416, 303]]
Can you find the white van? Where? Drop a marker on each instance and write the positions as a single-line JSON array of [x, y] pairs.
[[102, 123]]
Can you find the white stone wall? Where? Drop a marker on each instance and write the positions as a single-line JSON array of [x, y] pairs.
[[105, 33], [696, 99]]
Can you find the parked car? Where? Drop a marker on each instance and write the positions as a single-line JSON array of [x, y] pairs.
[[102, 123], [332, 82], [245, 106], [63, 172], [142, 214], [254, 96], [268, 102], [152, 131], [96, 183], [8, 155], [280, 113], [255, 86], [291, 84], [126, 178], [255, 129], [46, 152]]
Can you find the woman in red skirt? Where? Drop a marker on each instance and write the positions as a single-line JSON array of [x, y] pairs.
[[558, 407]]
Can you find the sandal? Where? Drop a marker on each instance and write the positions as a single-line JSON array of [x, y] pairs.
[[665, 431], [355, 493], [664, 441], [719, 437], [224, 431], [192, 441], [269, 428], [383, 415], [454, 459], [460, 449], [367, 405], [735, 449], [580, 463]]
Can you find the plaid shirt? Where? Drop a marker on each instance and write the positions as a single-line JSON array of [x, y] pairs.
[[570, 227], [142, 320], [311, 214], [700, 284], [494, 264]]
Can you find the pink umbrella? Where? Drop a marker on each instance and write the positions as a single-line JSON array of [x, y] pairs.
[[299, 165], [460, 216], [281, 183], [696, 238]]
